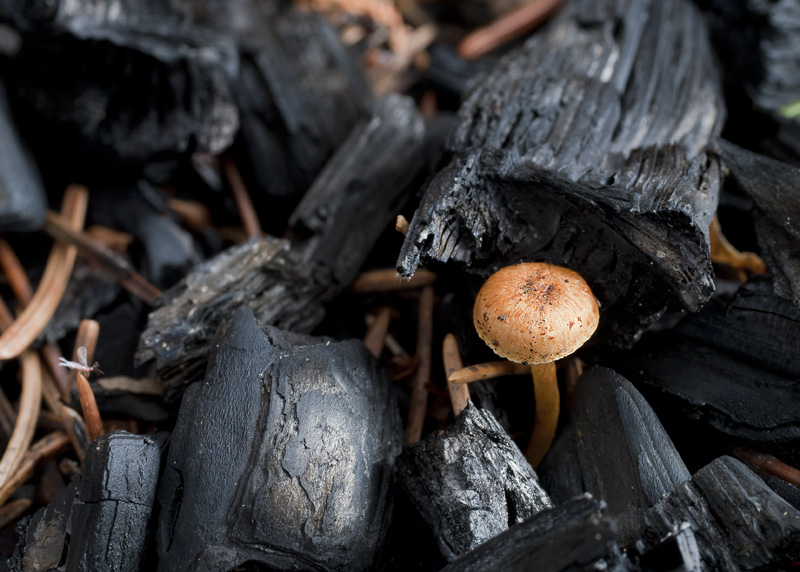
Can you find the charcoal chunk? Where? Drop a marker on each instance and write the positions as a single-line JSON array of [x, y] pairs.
[[573, 536], [102, 521], [614, 448], [22, 198], [738, 521], [282, 457], [470, 482], [585, 148]]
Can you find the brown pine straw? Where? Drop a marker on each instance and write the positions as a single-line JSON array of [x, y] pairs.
[[116, 265], [243, 203], [7, 415], [507, 27], [387, 280], [29, 403], [94, 425], [42, 449], [38, 313], [768, 465], [488, 370], [419, 390], [451, 357], [375, 338], [12, 268], [86, 336]]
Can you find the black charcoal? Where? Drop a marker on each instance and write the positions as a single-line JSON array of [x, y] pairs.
[[574, 536], [336, 225], [282, 457], [22, 197], [300, 93], [470, 482], [102, 521], [585, 148], [738, 521], [614, 448], [733, 366]]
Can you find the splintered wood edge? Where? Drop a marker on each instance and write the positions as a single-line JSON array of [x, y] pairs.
[[451, 358], [29, 403], [34, 318]]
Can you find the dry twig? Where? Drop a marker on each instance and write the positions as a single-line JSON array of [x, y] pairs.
[[451, 357], [387, 280], [243, 203], [375, 337], [419, 391]]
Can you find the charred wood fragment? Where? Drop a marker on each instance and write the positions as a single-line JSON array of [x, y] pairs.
[[470, 482], [283, 456], [22, 198], [285, 285], [300, 93], [102, 521], [733, 366], [573, 536], [738, 521], [585, 148], [614, 448]]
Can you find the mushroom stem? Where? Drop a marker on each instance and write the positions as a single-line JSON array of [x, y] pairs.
[[545, 389]]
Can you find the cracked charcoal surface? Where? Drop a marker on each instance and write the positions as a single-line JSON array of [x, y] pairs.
[[732, 366], [614, 448], [283, 456], [102, 519], [738, 521], [586, 149], [470, 482], [285, 284], [574, 536]]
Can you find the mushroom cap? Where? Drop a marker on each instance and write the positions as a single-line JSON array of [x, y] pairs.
[[535, 313]]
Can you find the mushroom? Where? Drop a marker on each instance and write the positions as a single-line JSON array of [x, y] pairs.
[[536, 313]]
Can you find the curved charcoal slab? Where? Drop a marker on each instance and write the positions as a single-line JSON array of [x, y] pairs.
[[623, 453], [733, 366], [102, 521], [773, 186], [470, 482], [284, 456], [585, 149]]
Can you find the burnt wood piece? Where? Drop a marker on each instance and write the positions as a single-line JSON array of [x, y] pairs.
[[22, 197], [585, 148], [122, 82], [352, 202], [470, 482], [573, 536], [773, 186], [614, 448], [738, 521], [300, 93], [282, 457], [168, 251], [102, 519], [734, 366]]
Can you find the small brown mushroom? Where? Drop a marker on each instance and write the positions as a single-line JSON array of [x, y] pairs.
[[535, 313]]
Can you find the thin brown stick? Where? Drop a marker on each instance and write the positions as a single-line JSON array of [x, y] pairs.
[[43, 305], [42, 449], [29, 403], [75, 428], [7, 415], [14, 271], [194, 214], [86, 337], [94, 425], [13, 510], [451, 357], [115, 240], [488, 370], [242, 199], [507, 27], [387, 280], [375, 337], [419, 391], [768, 465], [115, 264], [60, 375]]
